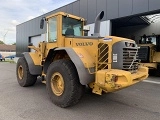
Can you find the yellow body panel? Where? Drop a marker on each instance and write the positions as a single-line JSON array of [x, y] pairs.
[[87, 60], [150, 45], [91, 48], [36, 58], [89, 45], [105, 79], [156, 57], [65, 14], [149, 65], [117, 39]]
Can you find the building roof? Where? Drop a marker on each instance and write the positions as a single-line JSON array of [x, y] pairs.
[[152, 18], [4, 47]]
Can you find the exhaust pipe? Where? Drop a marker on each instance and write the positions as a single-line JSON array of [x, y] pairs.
[[97, 24]]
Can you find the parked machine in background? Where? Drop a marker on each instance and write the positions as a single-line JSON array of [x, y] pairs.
[[149, 52], [69, 61]]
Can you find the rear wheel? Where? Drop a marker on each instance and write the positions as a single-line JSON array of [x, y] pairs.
[[24, 77], [63, 84]]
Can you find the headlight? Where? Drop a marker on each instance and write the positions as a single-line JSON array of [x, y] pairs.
[[130, 44], [127, 44]]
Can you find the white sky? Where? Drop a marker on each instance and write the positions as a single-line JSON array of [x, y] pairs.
[[14, 12]]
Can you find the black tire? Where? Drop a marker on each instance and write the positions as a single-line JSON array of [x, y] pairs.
[[158, 70], [26, 79], [73, 90]]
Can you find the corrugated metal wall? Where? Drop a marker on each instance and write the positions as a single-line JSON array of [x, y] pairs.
[[87, 9]]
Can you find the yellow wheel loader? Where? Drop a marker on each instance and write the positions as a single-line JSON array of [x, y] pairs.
[[68, 61], [149, 53]]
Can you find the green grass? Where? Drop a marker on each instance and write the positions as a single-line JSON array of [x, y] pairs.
[[8, 60]]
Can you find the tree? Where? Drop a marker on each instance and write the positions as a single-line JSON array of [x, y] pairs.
[[1, 42], [14, 44]]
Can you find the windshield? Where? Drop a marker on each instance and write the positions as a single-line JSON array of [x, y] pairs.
[[71, 26]]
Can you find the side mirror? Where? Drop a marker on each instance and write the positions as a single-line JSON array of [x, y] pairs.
[[42, 23]]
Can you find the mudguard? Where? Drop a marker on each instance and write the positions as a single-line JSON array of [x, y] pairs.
[[84, 76], [33, 69]]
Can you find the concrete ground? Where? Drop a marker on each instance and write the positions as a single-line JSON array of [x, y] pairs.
[[139, 102]]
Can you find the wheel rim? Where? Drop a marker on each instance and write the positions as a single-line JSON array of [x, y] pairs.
[[57, 84], [20, 72]]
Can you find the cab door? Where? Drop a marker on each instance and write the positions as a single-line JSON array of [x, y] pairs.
[[52, 31]]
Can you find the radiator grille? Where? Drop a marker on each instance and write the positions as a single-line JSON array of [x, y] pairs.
[[130, 59], [102, 56], [143, 53]]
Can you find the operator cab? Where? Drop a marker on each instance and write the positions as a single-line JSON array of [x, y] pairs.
[[147, 40], [61, 24]]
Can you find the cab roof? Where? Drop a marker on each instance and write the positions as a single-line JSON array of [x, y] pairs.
[[66, 14]]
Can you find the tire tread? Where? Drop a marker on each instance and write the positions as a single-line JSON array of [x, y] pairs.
[[77, 90]]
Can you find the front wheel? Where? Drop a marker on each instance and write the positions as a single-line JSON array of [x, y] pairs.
[[63, 84], [24, 77]]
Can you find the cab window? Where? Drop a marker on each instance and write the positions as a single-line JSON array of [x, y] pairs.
[[52, 29], [71, 26]]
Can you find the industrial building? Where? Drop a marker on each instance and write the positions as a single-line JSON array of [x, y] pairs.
[[124, 18]]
